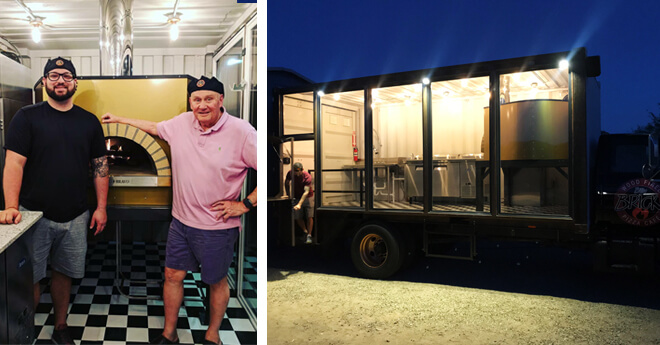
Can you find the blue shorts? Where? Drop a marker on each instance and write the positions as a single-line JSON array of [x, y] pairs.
[[65, 244], [188, 248]]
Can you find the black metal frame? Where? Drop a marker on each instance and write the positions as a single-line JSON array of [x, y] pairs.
[[506, 225]]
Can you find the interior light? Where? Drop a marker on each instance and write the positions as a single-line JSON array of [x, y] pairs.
[[535, 85], [464, 82], [173, 19], [234, 61], [425, 81], [321, 93], [36, 34], [336, 97], [563, 64], [174, 31]]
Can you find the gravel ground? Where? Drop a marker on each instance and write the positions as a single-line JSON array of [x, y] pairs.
[[317, 308]]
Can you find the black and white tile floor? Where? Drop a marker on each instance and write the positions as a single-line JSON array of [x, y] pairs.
[[98, 314]]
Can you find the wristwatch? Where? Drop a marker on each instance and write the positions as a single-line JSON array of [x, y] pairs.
[[248, 204]]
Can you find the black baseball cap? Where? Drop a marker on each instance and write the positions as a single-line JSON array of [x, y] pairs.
[[59, 62], [205, 83]]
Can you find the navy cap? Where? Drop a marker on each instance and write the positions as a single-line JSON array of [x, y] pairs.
[[59, 62], [205, 83]]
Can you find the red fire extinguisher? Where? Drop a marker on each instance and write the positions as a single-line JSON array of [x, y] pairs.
[[355, 151]]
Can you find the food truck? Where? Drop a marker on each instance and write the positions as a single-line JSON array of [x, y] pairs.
[[437, 159]]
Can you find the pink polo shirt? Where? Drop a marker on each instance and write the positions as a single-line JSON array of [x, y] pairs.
[[208, 166]]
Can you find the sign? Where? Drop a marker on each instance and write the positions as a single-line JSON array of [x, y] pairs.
[[637, 202]]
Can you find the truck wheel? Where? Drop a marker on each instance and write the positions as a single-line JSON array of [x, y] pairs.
[[376, 251]]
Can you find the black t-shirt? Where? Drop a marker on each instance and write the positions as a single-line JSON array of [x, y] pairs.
[[59, 147]]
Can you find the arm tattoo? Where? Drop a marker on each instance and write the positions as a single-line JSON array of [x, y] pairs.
[[100, 166]]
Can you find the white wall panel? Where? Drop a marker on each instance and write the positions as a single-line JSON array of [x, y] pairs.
[[148, 65], [178, 64], [137, 65], [85, 65], [158, 65], [189, 62], [146, 61], [168, 64]]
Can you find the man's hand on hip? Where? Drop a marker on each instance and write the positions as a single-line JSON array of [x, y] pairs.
[[228, 208]]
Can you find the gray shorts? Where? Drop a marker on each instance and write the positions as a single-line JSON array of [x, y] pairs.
[[65, 243], [306, 211]]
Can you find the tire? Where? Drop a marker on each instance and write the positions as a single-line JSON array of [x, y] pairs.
[[377, 251]]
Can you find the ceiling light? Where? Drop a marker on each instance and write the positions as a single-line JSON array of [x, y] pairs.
[[36, 33], [535, 85], [425, 81], [321, 93], [173, 19], [563, 64], [174, 32], [336, 97]]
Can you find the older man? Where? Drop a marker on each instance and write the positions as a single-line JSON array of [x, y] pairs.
[[211, 153], [50, 146]]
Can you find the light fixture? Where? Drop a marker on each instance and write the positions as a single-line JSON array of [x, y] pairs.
[[173, 19], [336, 96], [425, 81], [563, 64], [36, 32], [535, 85], [321, 93]]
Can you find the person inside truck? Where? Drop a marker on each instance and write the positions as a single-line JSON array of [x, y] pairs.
[[303, 202]]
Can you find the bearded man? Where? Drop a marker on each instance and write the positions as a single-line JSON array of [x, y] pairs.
[[49, 149]]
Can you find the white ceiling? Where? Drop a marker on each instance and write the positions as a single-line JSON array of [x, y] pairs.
[[76, 24]]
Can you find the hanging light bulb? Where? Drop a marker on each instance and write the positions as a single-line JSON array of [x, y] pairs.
[[174, 31], [36, 34], [173, 19]]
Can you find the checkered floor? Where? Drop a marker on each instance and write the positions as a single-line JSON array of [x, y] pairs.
[[98, 314]]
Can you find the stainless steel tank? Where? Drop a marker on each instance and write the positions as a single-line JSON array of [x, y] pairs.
[[532, 129]]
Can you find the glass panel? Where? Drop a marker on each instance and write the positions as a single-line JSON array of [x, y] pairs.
[[459, 108], [397, 147], [230, 73], [534, 142], [249, 291], [342, 116], [298, 113]]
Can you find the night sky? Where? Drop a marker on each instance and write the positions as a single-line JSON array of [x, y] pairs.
[[327, 40]]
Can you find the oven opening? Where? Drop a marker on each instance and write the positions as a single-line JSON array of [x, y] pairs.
[[126, 157]]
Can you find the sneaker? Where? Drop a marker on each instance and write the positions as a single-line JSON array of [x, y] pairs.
[[309, 239], [62, 336]]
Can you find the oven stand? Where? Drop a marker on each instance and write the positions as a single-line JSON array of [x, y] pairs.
[[120, 278]]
